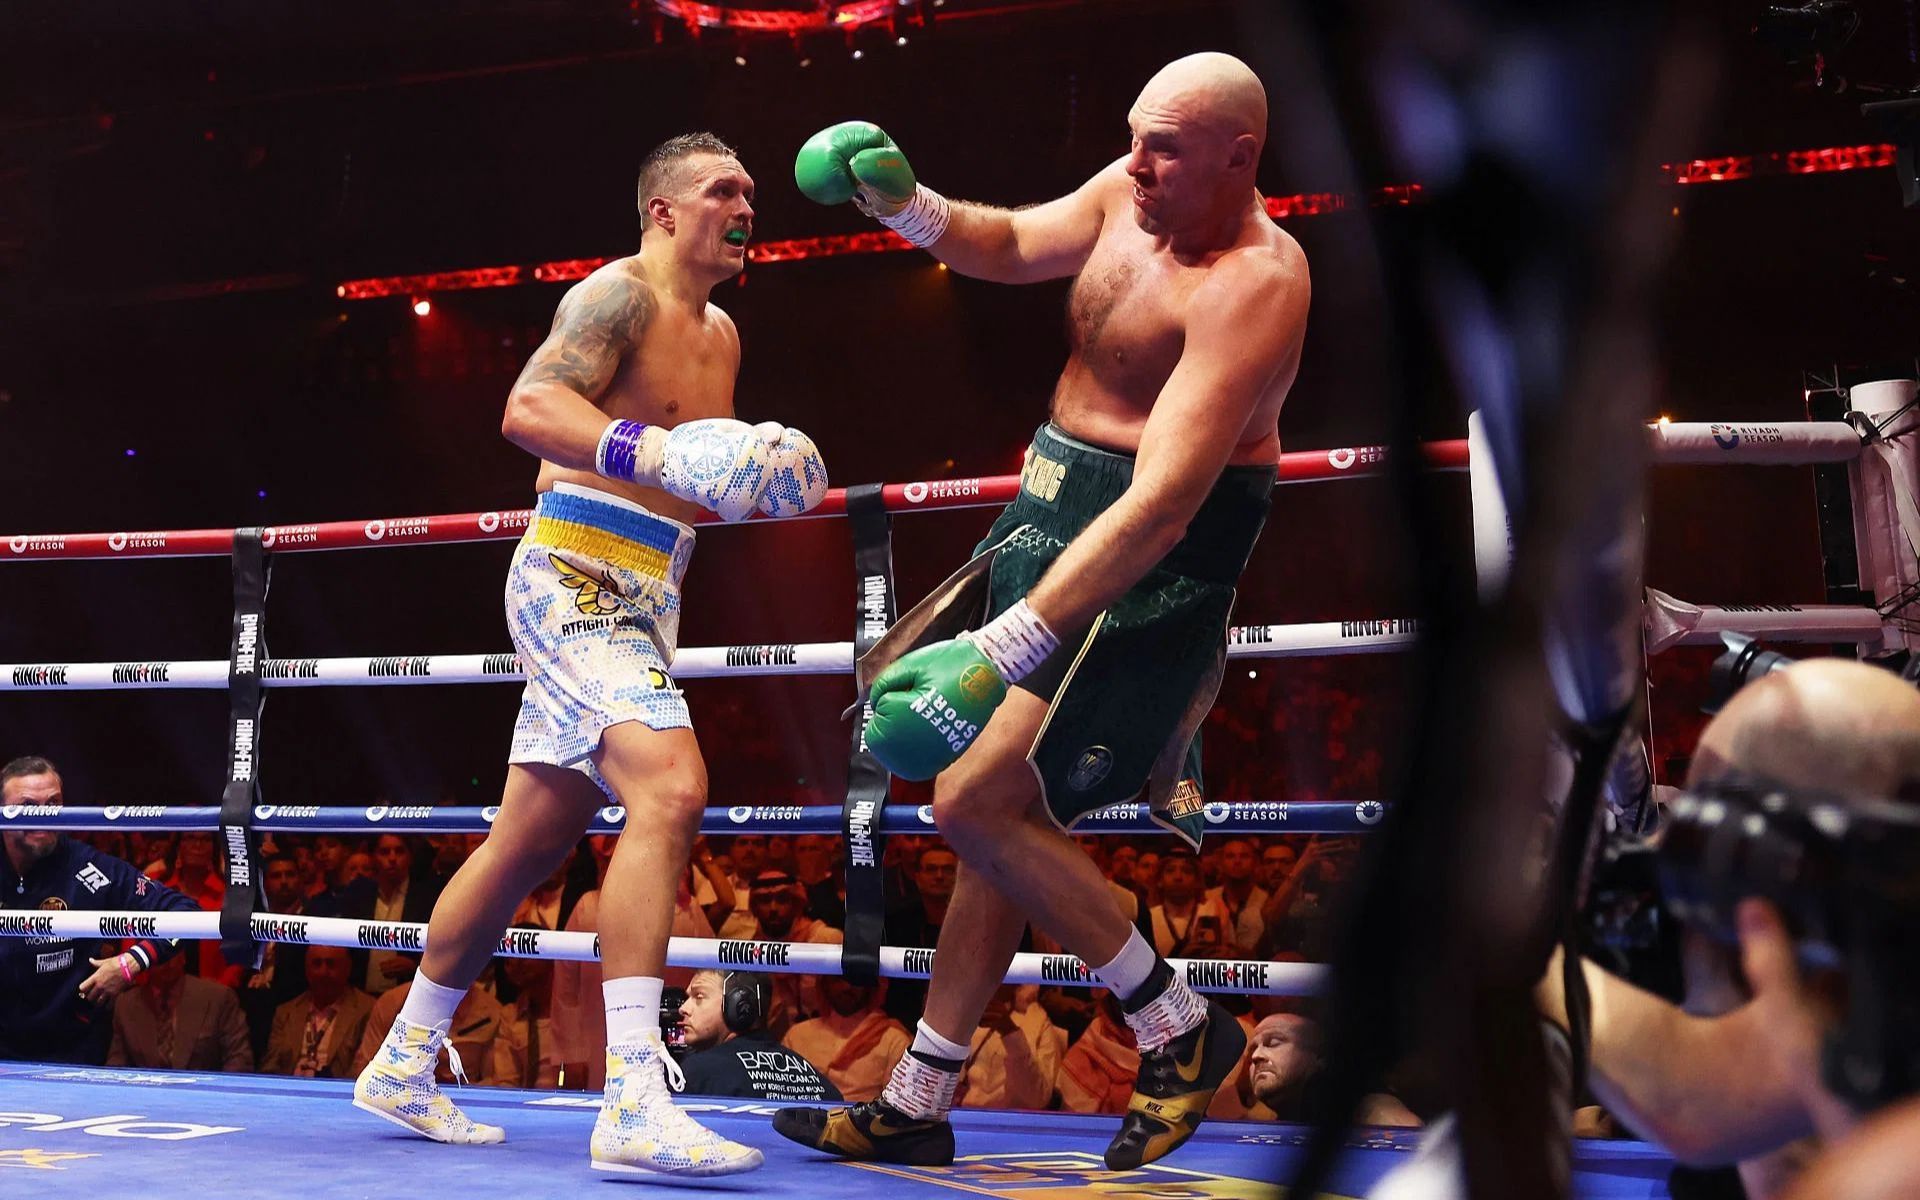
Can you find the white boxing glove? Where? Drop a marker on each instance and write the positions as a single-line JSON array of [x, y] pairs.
[[718, 463], [796, 475]]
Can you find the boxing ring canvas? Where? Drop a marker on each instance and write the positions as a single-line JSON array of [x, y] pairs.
[[68, 1131]]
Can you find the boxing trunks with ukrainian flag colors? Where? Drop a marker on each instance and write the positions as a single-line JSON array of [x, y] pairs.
[[593, 604], [1127, 692]]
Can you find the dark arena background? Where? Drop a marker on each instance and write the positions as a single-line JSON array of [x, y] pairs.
[[266, 264]]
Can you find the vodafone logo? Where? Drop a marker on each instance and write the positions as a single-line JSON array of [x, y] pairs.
[[376, 529], [116, 542], [916, 492], [489, 521], [739, 813], [1341, 459]]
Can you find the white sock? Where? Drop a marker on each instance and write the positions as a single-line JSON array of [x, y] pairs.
[[1129, 968], [430, 1004], [929, 1044], [633, 1007]]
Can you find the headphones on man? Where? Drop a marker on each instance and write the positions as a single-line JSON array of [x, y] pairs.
[[745, 997]]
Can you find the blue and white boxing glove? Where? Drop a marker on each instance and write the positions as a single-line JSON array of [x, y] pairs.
[[718, 463], [797, 475]]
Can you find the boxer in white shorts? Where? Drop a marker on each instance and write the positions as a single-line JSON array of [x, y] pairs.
[[629, 406]]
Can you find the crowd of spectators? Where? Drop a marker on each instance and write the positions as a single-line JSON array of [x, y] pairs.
[[320, 1010]]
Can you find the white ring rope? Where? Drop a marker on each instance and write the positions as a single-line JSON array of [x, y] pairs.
[[1240, 976], [1666, 617]]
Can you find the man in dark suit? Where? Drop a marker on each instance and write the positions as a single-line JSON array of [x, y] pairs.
[[175, 1020], [396, 892], [316, 1033], [282, 974]]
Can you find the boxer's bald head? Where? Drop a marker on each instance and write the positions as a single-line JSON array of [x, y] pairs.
[[1826, 724], [1214, 90], [1198, 129]]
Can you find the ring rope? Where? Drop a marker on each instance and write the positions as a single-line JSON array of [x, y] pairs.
[[1225, 817], [1698, 626], [1241, 976]]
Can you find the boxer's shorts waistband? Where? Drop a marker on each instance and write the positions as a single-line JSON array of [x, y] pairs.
[[612, 529], [1066, 483]]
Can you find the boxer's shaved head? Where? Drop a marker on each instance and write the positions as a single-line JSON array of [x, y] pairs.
[[1214, 91]]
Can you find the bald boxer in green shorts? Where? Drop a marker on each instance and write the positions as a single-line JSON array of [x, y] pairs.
[[1105, 588]]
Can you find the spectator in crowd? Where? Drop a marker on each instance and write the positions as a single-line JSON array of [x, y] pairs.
[[728, 1052], [329, 862], [1097, 1073], [1184, 915], [815, 865], [52, 988], [281, 975], [1069, 1008], [579, 1022], [358, 866], [1014, 1057], [1238, 894], [708, 883], [175, 1021], [1276, 866], [854, 1043], [196, 875], [776, 901], [1294, 915], [316, 1033], [392, 894], [482, 1040], [917, 923], [531, 984], [1146, 876], [901, 861], [1121, 861], [747, 854], [1209, 857]]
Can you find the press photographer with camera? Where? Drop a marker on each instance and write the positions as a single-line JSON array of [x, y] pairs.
[[1780, 1035]]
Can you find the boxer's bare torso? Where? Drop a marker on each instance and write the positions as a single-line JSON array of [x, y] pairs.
[[684, 359], [1127, 316]]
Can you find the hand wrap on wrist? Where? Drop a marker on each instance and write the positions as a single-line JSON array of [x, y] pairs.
[[618, 452], [924, 219], [1016, 642]]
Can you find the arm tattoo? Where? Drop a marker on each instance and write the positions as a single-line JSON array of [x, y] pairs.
[[596, 325]]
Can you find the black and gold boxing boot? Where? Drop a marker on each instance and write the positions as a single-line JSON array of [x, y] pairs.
[[1179, 1076], [873, 1131], [886, 1129]]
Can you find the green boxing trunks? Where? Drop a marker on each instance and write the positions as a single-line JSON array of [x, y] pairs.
[[1126, 693]]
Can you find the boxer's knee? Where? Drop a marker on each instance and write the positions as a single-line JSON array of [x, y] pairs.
[[671, 801], [978, 797]]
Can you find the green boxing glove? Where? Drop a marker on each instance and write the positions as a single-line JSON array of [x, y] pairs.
[[931, 704], [857, 161]]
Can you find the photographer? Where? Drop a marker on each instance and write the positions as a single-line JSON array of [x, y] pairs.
[[724, 1020], [1737, 1077]]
